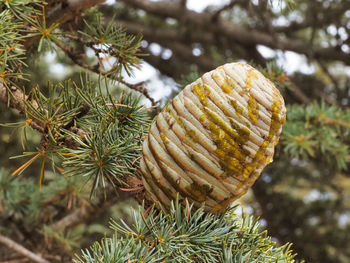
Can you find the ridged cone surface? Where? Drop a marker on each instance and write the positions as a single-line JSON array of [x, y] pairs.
[[212, 141]]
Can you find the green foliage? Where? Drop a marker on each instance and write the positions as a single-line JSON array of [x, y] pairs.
[[66, 241], [187, 235], [90, 134], [80, 122], [91, 131], [22, 9], [189, 78], [276, 74], [16, 198], [11, 51], [31, 209], [112, 41], [110, 147], [15, 15], [97, 135], [318, 132], [24, 203]]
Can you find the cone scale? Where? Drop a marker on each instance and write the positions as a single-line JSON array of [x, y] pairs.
[[212, 141]]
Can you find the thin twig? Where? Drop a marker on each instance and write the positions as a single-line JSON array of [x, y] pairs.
[[119, 105], [63, 14], [139, 87], [87, 212], [16, 99], [328, 121], [136, 159], [22, 250]]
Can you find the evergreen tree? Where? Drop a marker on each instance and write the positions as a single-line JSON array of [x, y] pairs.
[[75, 141]]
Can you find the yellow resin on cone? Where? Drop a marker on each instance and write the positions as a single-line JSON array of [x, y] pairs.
[[212, 141]]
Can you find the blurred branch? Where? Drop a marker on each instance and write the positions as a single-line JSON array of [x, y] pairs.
[[173, 67], [313, 19], [216, 15], [299, 94], [183, 3], [206, 63], [237, 33], [327, 121], [175, 37], [88, 212], [330, 76], [181, 44], [21, 260], [22, 250]]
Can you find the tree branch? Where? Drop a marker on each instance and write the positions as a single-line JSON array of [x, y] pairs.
[[299, 94], [230, 5], [183, 3], [330, 76], [203, 61], [237, 33], [88, 212], [15, 260], [173, 67], [139, 87], [63, 12], [22, 250], [17, 100], [60, 11]]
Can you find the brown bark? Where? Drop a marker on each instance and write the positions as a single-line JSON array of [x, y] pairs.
[[21, 250]]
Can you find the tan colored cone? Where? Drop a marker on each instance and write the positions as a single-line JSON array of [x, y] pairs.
[[212, 141]]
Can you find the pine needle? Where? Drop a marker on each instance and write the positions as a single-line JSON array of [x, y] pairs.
[[23, 166]]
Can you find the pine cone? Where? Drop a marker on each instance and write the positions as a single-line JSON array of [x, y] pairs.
[[212, 141]]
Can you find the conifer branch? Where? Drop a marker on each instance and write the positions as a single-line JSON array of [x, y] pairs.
[[21, 250], [17, 100], [62, 12], [328, 121], [76, 58], [185, 234]]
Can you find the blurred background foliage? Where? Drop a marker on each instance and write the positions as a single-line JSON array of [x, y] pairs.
[[303, 46]]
